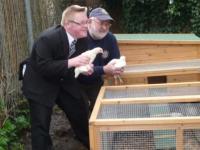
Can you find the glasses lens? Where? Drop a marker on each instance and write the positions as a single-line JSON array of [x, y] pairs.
[[82, 23]]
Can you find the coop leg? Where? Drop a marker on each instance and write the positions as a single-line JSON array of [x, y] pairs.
[[179, 141]]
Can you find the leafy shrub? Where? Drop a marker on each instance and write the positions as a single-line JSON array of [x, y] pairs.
[[195, 19], [157, 16], [12, 129]]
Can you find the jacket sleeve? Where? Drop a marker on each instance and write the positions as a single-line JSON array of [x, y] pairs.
[[47, 62], [114, 52]]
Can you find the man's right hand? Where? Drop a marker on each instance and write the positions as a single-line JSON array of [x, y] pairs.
[[79, 60]]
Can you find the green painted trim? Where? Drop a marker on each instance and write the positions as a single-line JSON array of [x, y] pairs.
[[160, 37]]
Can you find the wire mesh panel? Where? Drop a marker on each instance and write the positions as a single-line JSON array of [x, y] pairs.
[[118, 111], [138, 140], [192, 139], [134, 92]]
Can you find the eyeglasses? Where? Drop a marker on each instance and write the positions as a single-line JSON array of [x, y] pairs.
[[103, 23], [83, 23]]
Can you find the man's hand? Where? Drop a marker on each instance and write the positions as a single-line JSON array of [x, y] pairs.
[[111, 69], [90, 69], [115, 66], [77, 61]]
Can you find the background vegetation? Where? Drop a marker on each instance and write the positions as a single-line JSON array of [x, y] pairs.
[[156, 16], [16, 33]]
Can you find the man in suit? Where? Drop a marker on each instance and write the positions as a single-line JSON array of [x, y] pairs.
[[49, 77]]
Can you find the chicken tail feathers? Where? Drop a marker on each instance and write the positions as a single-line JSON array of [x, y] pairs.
[[77, 72]]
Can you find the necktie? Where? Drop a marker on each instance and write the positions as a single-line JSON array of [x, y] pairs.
[[72, 48]]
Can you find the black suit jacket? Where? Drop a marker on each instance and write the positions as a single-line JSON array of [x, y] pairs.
[[47, 72]]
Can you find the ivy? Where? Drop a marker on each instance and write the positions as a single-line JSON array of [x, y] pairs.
[[158, 16], [195, 19]]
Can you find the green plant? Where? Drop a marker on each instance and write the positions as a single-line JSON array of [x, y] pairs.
[[155, 16], [12, 128], [195, 19]]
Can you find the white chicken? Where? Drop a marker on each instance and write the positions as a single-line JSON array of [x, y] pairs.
[[119, 64], [91, 54]]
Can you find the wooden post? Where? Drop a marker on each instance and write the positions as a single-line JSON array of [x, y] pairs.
[[179, 139]]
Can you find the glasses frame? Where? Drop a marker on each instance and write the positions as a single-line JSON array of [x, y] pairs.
[[78, 23]]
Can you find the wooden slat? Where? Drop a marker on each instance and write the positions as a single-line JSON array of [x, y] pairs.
[[183, 77], [158, 72], [141, 54], [148, 121], [143, 127], [152, 100], [179, 139], [92, 137], [140, 127], [154, 85], [97, 106]]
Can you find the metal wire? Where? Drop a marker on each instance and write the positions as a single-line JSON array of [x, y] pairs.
[[133, 92], [192, 139], [138, 140], [119, 111]]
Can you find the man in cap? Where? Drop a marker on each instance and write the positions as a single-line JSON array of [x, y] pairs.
[[99, 35]]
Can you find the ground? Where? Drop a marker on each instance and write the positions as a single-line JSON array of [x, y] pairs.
[[61, 133]]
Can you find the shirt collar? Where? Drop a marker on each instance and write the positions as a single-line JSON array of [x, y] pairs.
[[70, 38]]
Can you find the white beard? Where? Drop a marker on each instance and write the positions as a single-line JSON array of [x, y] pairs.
[[95, 34]]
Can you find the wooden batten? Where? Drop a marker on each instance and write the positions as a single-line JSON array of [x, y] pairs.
[[195, 83], [144, 54], [148, 121], [97, 106], [153, 100], [92, 137], [180, 139]]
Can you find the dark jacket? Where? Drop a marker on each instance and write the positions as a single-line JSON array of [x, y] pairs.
[[46, 72], [110, 50]]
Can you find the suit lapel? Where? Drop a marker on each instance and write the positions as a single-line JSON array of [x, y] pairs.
[[65, 42]]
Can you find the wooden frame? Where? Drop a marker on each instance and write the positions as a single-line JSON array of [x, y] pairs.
[[156, 48], [152, 49], [178, 124], [176, 71]]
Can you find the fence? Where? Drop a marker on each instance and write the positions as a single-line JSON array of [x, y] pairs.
[[21, 21]]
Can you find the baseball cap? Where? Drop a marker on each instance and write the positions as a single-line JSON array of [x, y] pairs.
[[100, 14]]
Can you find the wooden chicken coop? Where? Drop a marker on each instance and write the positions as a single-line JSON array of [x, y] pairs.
[[159, 58], [147, 117]]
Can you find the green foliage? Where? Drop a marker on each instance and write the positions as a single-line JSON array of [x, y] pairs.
[[158, 16], [12, 129], [195, 19]]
